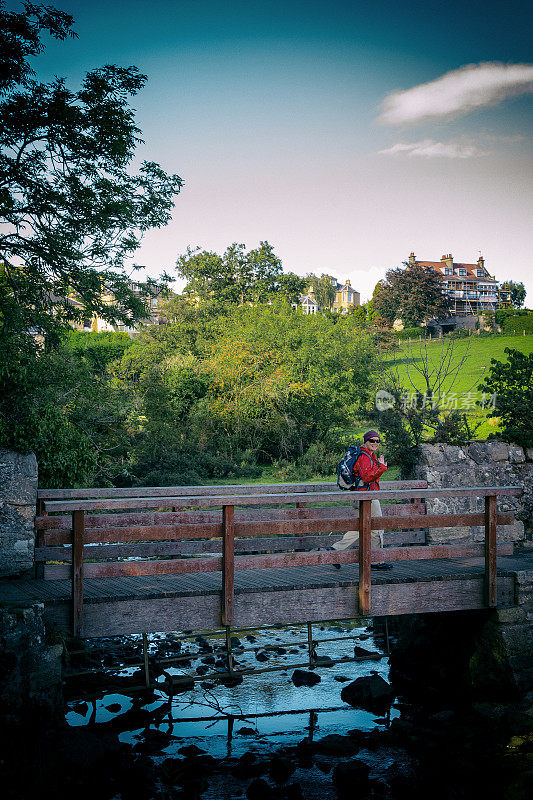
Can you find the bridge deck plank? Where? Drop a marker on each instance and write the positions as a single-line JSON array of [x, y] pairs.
[[99, 590]]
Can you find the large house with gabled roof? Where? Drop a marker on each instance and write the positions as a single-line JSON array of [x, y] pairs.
[[470, 287]]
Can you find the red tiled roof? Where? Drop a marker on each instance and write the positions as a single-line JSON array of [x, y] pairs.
[[470, 274]]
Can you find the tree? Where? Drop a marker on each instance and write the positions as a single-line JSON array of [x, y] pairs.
[[517, 291], [281, 381], [72, 212], [236, 276], [67, 407], [414, 294], [324, 290], [511, 384]]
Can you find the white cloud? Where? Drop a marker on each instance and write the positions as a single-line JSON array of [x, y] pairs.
[[429, 148], [457, 92]]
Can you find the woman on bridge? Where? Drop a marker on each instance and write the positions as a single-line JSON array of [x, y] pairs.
[[369, 468]]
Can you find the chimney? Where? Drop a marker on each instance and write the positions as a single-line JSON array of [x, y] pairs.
[[481, 262], [412, 259], [448, 260]]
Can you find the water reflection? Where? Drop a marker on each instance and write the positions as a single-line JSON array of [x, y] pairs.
[[265, 711]]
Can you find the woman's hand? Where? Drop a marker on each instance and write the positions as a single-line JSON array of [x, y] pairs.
[[382, 461]]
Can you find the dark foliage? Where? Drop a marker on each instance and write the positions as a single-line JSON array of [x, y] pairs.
[[512, 383]]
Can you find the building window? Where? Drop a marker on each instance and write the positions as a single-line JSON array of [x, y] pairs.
[[462, 272], [448, 271], [480, 273]]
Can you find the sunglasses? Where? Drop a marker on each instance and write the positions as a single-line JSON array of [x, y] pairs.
[[374, 441]]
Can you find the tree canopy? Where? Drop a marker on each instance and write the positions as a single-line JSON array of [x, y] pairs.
[[414, 294], [237, 276], [72, 213], [323, 288], [72, 210], [517, 291]]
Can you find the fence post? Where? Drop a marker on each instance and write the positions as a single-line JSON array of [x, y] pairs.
[[228, 561], [78, 524], [38, 565], [310, 643], [365, 518], [490, 551]]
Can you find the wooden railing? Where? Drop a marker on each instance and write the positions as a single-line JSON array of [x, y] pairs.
[[243, 525]]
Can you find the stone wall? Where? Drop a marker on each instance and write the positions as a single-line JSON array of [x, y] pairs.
[[18, 496], [515, 633], [478, 464], [30, 667]]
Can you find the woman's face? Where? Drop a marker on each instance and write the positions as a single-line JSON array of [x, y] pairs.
[[372, 444]]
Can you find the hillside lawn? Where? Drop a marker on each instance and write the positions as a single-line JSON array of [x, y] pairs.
[[477, 351]]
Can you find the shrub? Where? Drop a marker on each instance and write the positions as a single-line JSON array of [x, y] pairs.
[[410, 333], [512, 385], [458, 333], [517, 323]]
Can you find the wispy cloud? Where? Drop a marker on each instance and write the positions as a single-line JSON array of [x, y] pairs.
[[457, 92], [429, 148]]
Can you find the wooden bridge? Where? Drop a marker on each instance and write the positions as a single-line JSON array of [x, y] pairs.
[[119, 561]]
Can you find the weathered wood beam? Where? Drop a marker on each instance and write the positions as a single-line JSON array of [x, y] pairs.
[[77, 573], [151, 518], [192, 491], [283, 499], [228, 562], [490, 551], [365, 557]]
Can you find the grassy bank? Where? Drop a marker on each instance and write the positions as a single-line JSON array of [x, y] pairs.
[[477, 352]]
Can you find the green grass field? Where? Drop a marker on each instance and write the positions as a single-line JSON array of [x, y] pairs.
[[477, 353]]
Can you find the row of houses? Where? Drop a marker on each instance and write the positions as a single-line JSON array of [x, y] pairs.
[[470, 287]]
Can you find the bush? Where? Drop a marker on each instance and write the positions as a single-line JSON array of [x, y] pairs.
[[505, 313], [319, 461], [458, 333], [321, 458], [410, 333], [512, 385], [517, 323]]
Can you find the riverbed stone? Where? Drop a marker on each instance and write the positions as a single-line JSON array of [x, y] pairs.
[[301, 677], [351, 779], [370, 692], [259, 789]]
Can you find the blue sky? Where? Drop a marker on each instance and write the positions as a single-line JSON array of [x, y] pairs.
[[345, 133]]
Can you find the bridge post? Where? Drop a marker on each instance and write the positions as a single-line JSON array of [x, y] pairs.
[[491, 596], [365, 544], [228, 574], [78, 524], [310, 643]]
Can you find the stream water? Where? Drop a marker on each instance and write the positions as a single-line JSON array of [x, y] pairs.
[[266, 708], [264, 738]]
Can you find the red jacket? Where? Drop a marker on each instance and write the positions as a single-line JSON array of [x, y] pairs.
[[370, 470]]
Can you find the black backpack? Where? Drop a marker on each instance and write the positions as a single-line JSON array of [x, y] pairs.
[[345, 470]]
